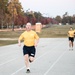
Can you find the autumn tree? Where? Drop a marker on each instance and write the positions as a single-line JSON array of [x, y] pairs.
[[3, 8], [14, 9], [73, 19], [58, 19]]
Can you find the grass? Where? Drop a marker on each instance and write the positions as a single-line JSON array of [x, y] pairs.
[[56, 31], [7, 42], [10, 34], [53, 31]]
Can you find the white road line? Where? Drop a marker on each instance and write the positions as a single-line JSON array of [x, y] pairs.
[[8, 53], [54, 63], [8, 61], [36, 59], [18, 70]]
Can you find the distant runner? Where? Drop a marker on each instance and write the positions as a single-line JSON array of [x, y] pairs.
[[71, 38], [31, 40]]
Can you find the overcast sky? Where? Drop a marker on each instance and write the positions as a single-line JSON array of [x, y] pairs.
[[50, 8]]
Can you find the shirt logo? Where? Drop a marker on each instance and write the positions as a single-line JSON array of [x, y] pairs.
[[32, 54]]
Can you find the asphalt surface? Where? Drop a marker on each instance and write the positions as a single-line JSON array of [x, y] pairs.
[[53, 57]]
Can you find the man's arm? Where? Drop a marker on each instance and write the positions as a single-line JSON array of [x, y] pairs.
[[19, 39], [19, 42], [68, 33], [36, 42]]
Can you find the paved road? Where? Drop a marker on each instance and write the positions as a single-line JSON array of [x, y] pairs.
[[52, 58]]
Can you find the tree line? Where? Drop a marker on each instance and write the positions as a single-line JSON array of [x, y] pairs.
[[12, 14], [66, 19]]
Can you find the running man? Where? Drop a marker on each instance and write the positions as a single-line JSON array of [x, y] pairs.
[[71, 38], [31, 40]]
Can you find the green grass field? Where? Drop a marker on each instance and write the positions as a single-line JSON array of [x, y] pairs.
[[7, 42], [54, 31]]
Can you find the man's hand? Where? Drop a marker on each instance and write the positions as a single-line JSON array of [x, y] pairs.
[[19, 43], [35, 45], [36, 42]]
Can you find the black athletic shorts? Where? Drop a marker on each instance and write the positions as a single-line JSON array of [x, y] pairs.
[[30, 50], [71, 39]]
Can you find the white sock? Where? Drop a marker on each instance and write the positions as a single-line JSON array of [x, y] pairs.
[[28, 67]]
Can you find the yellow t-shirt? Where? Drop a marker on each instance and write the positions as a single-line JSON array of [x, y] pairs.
[[74, 31], [29, 37], [71, 33]]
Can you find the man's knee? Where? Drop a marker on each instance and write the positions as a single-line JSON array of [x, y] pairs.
[[31, 59]]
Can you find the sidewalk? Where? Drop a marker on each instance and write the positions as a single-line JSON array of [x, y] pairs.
[[8, 38]]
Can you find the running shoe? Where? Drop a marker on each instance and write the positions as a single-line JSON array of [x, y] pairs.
[[72, 48], [69, 48], [28, 71]]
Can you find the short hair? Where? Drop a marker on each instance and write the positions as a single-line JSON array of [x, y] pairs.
[[28, 23], [71, 27]]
